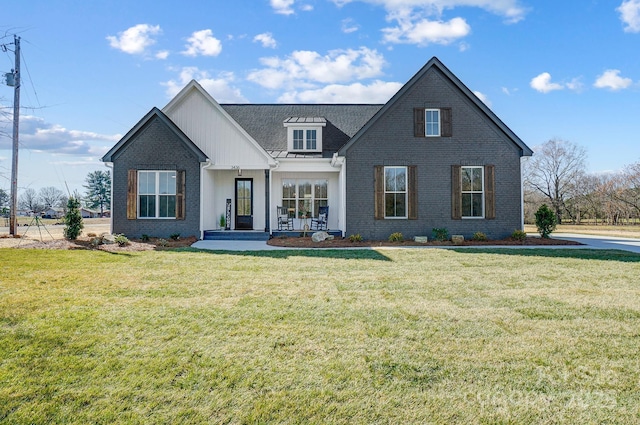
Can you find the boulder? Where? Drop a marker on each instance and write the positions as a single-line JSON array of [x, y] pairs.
[[320, 236], [108, 238], [457, 239]]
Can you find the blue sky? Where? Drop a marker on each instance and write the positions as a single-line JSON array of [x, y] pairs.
[[91, 70]]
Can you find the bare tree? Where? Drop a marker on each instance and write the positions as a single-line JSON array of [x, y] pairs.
[[51, 197], [29, 200], [628, 188], [554, 170]]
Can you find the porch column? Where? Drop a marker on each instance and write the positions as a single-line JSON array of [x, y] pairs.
[[267, 200]]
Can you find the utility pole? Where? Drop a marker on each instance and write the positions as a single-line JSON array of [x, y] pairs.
[[16, 124]]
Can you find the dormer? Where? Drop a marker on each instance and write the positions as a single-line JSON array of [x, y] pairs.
[[304, 134]]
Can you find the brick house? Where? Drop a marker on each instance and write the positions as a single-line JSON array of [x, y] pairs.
[[433, 156]]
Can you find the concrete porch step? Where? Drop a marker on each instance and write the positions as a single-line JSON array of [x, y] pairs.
[[235, 235]]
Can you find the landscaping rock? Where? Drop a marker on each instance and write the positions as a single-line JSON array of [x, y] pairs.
[[421, 239], [320, 236], [108, 238], [457, 239]]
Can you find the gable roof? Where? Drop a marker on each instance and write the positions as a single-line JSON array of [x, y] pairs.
[[193, 86], [152, 114], [265, 123], [434, 62]]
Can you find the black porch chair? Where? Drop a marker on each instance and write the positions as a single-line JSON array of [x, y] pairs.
[[320, 222], [284, 221]]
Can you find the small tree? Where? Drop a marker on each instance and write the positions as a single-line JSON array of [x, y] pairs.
[[73, 219], [545, 221]]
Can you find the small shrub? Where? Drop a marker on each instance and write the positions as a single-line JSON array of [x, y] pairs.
[[145, 238], [396, 237], [96, 241], [121, 240], [480, 237], [73, 219], [519, 235], [222, 221], [175, 236], [355, 238], [545, 221], [440, 234], [163, 242]]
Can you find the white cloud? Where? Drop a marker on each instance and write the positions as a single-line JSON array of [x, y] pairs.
[[349, 26], [282, 6], [38, 135], [266, 39], [543, 84], [612, 80], [163, 54], [136, 39], [202, 43], [425, 31], [307, 68], [376, 92], [483, 97], [220, 87], [630, 15], [420, 21]]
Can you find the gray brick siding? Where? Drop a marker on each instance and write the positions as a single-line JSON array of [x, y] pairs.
[[390, 141], [156, 147]]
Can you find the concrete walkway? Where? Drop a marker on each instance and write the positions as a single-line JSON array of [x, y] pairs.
[[589, 241]]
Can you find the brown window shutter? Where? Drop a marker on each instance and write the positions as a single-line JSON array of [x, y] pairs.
[[180, 195], [447, 127], [378, 188], [413, 192], [456, 193], [418, 122], [132, 194], [489, 192]]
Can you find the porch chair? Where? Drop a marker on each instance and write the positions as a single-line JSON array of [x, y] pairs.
[[284, 221], [320, 222]]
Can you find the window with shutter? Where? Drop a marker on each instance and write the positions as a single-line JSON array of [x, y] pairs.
[[432, 122]]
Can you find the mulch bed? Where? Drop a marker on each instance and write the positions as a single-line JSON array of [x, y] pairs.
[[306, 242], [85, 243]]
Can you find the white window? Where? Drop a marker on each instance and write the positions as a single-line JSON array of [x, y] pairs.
[[303, 197], [472, 192], [432, 122], [304, 134], [395, 192], [156, 194]]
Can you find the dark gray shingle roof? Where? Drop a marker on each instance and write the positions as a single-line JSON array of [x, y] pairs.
[[265, 123]]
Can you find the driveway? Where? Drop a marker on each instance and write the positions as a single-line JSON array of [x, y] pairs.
[[602, 242]]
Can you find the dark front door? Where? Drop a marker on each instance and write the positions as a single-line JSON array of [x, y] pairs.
[[244, 204]]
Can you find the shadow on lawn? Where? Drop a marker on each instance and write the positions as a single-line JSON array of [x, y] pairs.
[[342, 254], [580, 254]]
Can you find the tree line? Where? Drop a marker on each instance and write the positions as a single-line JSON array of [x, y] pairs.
[[97, 196], [556, 175]]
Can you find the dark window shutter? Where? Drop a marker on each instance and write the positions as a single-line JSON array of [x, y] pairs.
[[378, 188], [418, 122], [180, 195], [489, 192], [456, 193], [445, 117], [132, 194], [413, 192]]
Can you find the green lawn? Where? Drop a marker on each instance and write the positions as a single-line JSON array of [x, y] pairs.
[[388, 336]]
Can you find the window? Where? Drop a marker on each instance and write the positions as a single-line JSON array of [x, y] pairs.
[[311, 140], [156, 194], [395, 192], [298, 139], [472, 192], [303, 197], [432, 122], [304, 134]]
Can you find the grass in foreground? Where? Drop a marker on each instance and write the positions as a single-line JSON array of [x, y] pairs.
[[389, 336]]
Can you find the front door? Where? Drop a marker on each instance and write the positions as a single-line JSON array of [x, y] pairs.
[[244, 204]]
